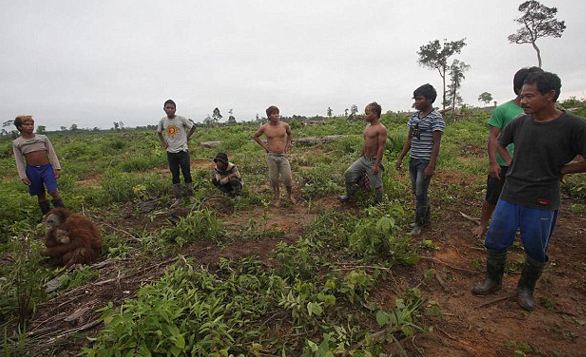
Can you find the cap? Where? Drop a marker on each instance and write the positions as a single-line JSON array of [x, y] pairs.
[[221, 157]]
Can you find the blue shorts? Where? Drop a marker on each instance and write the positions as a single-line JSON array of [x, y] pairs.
[[41, 176], [536, 226]]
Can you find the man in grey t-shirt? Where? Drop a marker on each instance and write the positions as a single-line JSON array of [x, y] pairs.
[[174, 132]]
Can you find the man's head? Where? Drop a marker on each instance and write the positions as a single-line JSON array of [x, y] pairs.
[[221, 161], [24, 122], [424, 97], [540, 91], [273, 113], [169, 107], [520, 77], [373, 111]]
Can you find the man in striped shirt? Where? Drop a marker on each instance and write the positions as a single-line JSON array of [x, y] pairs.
[[423, 143]]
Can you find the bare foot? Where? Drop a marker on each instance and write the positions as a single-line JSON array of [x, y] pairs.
[[479, 231]]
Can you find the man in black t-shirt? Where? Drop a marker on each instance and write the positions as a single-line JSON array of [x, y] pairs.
[[546, 140]]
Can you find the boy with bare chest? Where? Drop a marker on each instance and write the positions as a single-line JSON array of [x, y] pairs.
[[278, 143], [375, 137]]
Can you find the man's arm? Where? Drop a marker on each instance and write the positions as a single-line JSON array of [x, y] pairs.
[[162, 140], [573, 168], [52, 156], [20, 164], [494, 168], [406, 147], [381, 140], [289, 137], [257, 135], [191, 131], [437, 138]]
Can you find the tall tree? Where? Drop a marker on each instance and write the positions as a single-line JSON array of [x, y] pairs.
[[329, 112], [456, 73], [353, 109], [231, 118], [538, 21], [41, 129], [435, 55], [485, 98]]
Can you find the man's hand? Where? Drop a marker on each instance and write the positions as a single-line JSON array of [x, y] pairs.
[[494, 170], [26, 181], [399, 165], [164, 145], [375, 169], [57, 173], [429, 170]]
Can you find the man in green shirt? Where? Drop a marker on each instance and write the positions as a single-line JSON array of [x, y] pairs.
[[501, 117]]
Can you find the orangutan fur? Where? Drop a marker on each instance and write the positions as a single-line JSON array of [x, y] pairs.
[[71, 238]]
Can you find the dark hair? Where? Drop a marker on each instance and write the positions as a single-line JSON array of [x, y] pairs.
[[271, 110], [20, 120], [426, 91], [375, 107], [545, 82], [169, 101], [520, 77]]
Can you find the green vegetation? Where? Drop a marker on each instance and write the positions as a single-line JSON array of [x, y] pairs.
[[314, 298]]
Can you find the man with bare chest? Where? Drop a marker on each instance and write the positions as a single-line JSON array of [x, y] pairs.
[[375, 137], [277, 146]]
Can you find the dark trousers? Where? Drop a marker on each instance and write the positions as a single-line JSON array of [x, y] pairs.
[[179, 160], [420, 184]]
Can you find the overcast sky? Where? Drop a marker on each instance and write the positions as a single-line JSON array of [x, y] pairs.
[[95, 62]]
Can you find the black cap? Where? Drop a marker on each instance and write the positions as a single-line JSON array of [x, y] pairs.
[[221, 157]]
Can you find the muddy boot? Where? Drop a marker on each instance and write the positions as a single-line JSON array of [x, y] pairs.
[[532, 270], [495, 267], [57, 202], [177, 194], [189, 189], [350, 189], [45, 207], [378, 196]]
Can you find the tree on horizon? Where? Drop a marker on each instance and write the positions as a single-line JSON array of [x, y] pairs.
[[538, 21], [435, 55]]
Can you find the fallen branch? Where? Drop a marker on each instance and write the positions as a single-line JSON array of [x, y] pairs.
[[470, 218], [494, 301], [133, 238], [465, 345], [441, 282], [437, 261]]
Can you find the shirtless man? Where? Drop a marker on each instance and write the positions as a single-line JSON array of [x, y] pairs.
[[277, 146], [375, 137]]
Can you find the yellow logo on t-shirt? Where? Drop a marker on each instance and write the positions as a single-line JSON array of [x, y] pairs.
[[172, 130]]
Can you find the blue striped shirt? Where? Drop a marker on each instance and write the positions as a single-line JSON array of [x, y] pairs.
[[422, 133]]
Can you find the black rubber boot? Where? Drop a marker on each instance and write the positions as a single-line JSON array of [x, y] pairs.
[[532, 270], [378, 196], [189, 189], [57, 202], [495, 268], [177, 190], [45, 207], [350, 190]]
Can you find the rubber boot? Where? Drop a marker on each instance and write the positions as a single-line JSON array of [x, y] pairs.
[[177, 194], [350, 189], [378, 196], [495, 268], [57, 202], [532, 270], [45, 207], [189, 189]]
